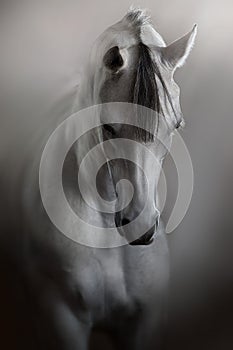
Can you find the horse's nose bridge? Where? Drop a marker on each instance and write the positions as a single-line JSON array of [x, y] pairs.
[[134, 191]]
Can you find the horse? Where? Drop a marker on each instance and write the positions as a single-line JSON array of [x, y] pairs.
[[71, 285]]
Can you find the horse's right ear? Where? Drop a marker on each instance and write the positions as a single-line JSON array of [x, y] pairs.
[[113, 59]]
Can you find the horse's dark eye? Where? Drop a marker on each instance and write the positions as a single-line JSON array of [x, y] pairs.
[[109, 129], [113, 59]]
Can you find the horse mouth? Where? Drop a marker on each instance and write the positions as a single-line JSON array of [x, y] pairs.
[[145, 239]]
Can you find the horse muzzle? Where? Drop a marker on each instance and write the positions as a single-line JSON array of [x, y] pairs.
[[145, 239]]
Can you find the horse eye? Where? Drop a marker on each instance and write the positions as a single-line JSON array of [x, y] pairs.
[[109, 129]]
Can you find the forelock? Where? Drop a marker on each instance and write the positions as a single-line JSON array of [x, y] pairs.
[[137, 18]]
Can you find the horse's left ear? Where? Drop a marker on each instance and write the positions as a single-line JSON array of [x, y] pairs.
[[176, 53]]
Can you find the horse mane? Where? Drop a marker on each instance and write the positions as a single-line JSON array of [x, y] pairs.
[[146, 91]]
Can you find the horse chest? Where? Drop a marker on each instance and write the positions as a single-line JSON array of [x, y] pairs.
[[118, 282], [104, 285]]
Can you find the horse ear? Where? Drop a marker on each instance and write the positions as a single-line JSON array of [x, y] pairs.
[[177, 52], [113, 59]]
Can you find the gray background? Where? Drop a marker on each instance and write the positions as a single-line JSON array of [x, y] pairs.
[[43, 46]]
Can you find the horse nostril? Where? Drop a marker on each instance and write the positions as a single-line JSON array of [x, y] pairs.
[[125, 222], [120, 222]]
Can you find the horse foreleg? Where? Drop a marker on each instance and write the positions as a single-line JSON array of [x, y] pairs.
[[66, 330]]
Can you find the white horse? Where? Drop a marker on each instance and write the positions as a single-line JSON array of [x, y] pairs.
[[71, 288]]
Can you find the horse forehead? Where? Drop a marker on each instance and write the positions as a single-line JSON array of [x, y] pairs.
[[125, 35]]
